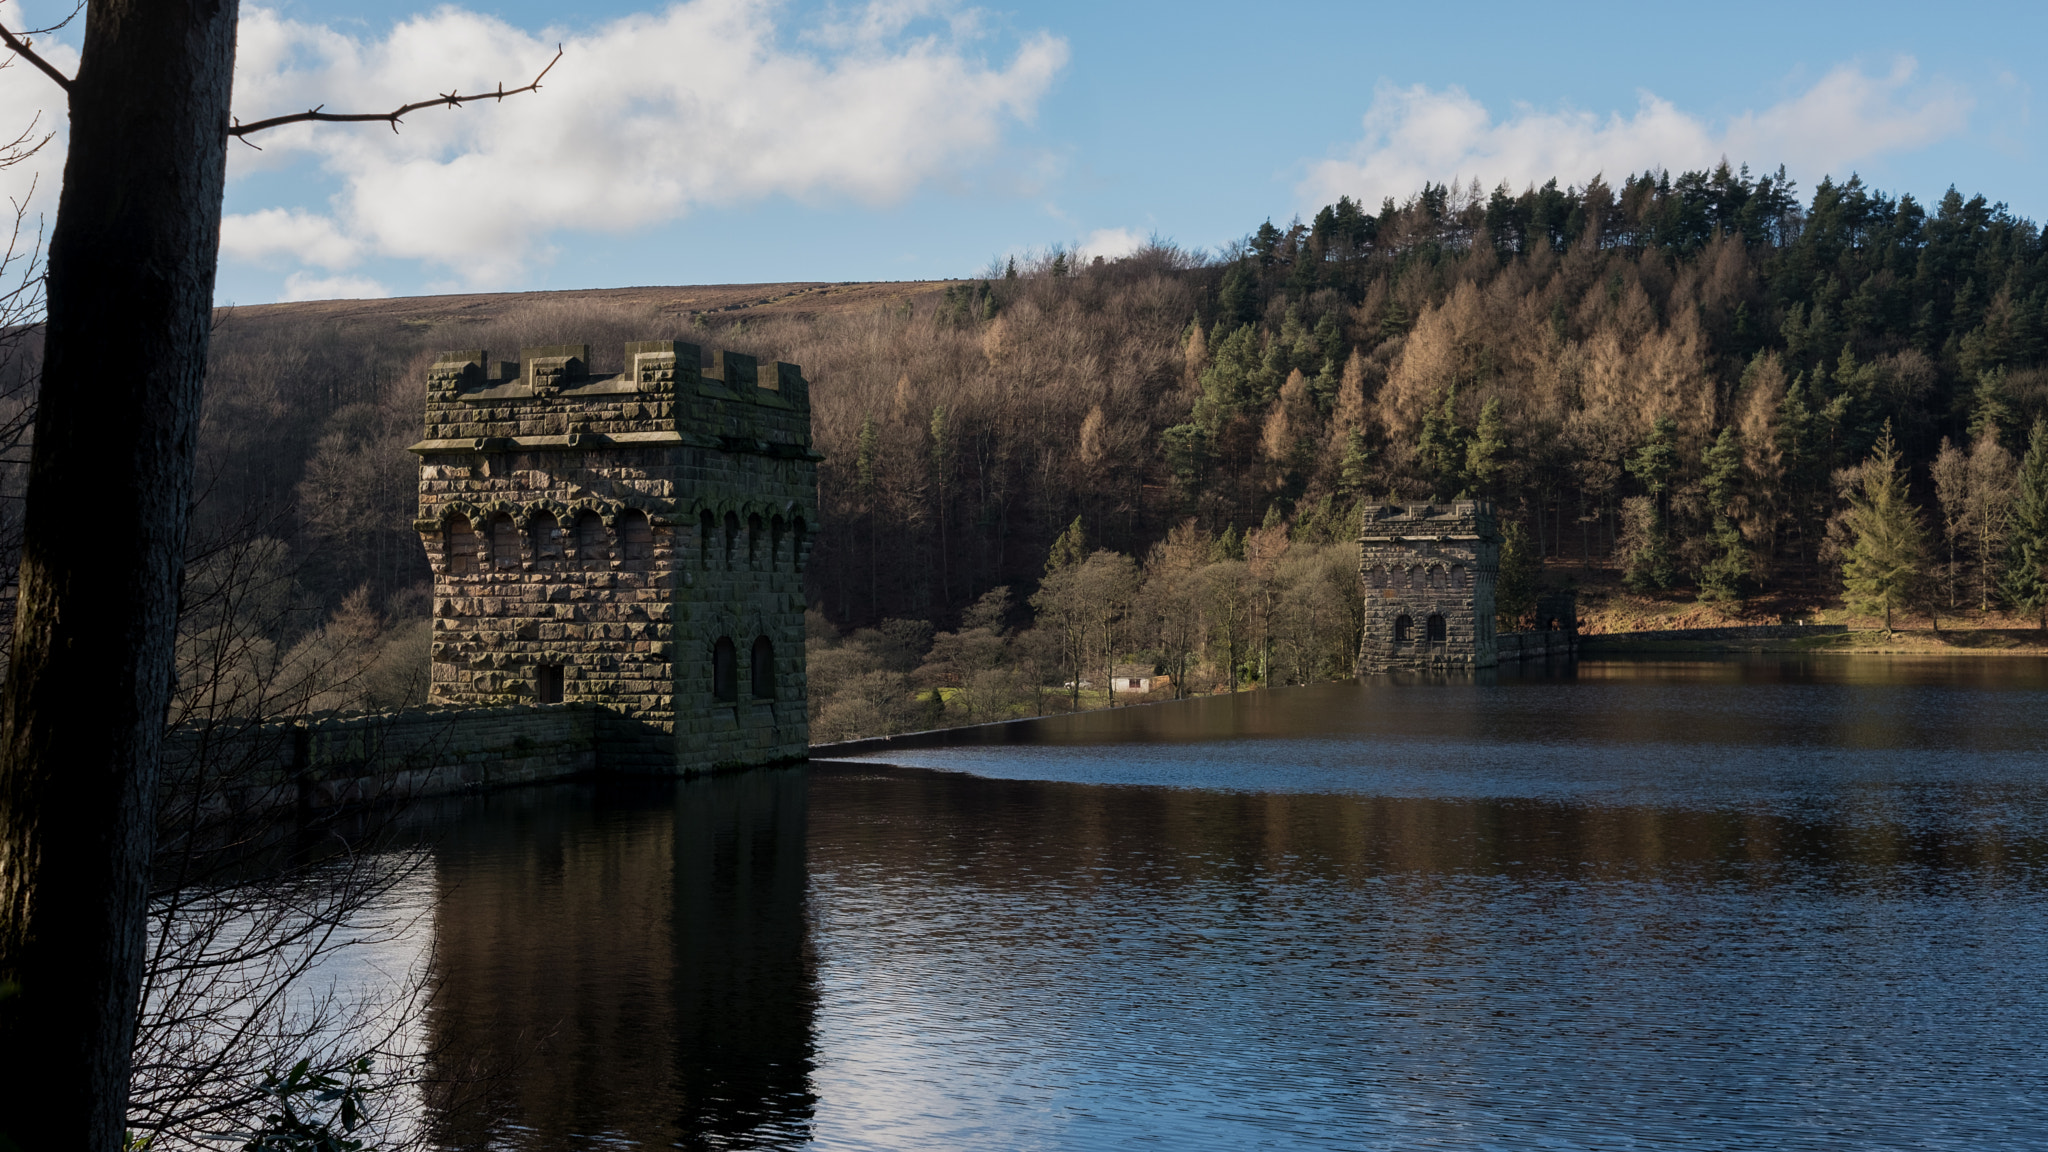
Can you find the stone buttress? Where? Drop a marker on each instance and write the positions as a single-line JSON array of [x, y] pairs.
[[1428, 572], [635, 541]]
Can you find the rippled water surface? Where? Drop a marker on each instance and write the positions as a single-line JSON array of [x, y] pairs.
[[1715, 906]]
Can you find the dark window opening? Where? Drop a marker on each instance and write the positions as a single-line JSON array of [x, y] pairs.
[[636, 536], [1403, 629], [725, 671], [591, 545], [762, 666], [547, 536], [1458, 575], [1438, 630], [547, 683], [504, 543], [463, 547], [1550, 625], [732, 535], [754, 540]]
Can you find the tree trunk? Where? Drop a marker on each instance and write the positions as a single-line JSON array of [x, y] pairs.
[[130, 305]]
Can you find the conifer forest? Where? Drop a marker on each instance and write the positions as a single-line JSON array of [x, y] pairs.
[[1698, 388]]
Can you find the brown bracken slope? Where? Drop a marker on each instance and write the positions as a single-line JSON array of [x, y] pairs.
[[412, 313]]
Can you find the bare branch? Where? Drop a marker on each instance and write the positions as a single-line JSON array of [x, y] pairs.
[[445, 100], [21, 49]]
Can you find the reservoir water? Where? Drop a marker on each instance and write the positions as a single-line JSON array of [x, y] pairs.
[[1728, 905]]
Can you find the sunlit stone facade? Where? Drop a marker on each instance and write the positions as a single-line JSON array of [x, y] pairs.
[[634, 540]]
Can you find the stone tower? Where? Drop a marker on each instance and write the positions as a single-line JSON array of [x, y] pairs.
[[1428, 571], [634, 541]]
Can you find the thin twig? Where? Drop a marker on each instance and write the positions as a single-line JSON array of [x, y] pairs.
[[21, 49], [445, 100]]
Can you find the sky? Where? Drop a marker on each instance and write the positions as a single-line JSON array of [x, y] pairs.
[[742, 141]]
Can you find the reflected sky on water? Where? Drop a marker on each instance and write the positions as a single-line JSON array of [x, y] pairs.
[[1731, 905]]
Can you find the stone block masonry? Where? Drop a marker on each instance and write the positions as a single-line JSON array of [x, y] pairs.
[[1428, 572], [632, 541]]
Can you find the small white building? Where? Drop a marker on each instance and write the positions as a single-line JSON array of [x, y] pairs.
[[1136, 678]]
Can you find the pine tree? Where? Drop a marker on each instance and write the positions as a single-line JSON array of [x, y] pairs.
[[1486, 456], [1440, 448], [1888, 547], [1514, 587], [2025, 582], [1357, 459], [1070, 549], [1727, 575]]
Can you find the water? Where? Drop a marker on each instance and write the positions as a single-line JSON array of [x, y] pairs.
[[1726, 906]]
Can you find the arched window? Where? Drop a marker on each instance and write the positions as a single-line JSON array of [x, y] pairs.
[[762, 667], [504, 542], [547, 536], [725, 671], [732, 536], [1438, 578], [636, 537], [462, 546], [704, 533], [753, 540], [591, 545], [1438, 632], [1404, 629], [1458, 576]]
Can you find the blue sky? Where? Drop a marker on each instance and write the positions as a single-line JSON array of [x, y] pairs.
[[737, 140]]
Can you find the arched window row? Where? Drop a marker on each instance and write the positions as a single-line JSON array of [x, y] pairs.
[[725, 670], [1435, 629], [588, 534], [1419, 578], [544, 539]]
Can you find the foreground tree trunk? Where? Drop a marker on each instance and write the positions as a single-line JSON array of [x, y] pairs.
[[130, 296]]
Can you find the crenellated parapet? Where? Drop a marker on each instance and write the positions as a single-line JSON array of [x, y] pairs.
[[634, 540], [549, 400]]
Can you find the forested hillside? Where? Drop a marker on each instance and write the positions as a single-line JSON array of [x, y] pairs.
[[1673, 379]]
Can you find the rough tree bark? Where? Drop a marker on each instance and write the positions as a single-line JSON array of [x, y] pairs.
[[131, 267]]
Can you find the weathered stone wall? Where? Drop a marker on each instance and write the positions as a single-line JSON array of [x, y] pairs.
[[1428, 572], [326, 761], [635, 541]]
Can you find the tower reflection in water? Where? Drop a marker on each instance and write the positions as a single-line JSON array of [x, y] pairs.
[[625, 964]]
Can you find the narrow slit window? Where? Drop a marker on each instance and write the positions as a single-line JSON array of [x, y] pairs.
[[462, 547], [636, 537], [762, 668], [591, 545], [725, 671], [547, 683]]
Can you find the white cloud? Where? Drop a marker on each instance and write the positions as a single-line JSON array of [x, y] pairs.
[[643, 119], [31, 102], [305, 236], [305, 286], [1110, 243], [1416, 134]]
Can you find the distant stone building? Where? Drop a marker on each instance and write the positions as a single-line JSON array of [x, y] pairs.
[[633, 540], [1428, 573]]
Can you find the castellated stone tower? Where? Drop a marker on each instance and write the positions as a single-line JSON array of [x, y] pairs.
[[1428, 571], [635, 541]]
